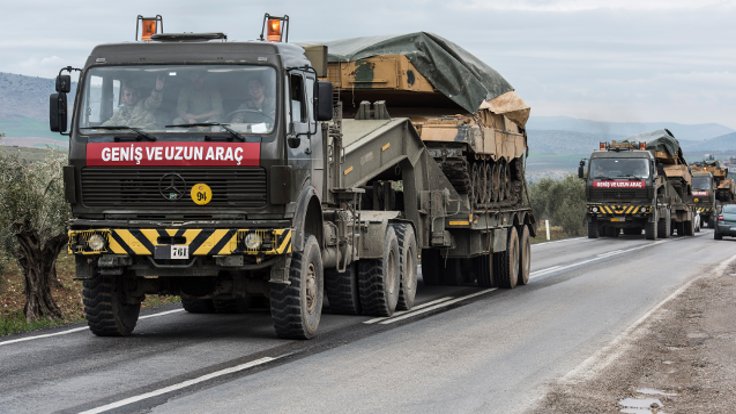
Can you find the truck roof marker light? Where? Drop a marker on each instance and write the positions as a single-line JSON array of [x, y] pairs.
[[276, 28], [602, 146], [642, 145], [148, 26]]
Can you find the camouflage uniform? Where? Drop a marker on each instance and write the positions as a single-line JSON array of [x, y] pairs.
[[199, 101], [267, 107], [139, 115]]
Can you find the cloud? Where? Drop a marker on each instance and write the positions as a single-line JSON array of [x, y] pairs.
[[45, 66]]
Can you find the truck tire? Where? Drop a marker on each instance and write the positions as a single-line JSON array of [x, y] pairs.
[[663, 226], [342, 290], [525, 256], [506, 264], [689, 228], [296, 308], [592, 229], [431, 267], [379, 280], [650, 230], [407, 265], [108, 310], [192, 305]]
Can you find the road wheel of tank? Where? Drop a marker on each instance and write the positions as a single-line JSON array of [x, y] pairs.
[[663, 226], [502, 179], [431, 267], [488, 177], [478, 188], [192, 305], [508, 187], [342, 290], [506, 264], [495, 181], [109, 310], [592, 229], [380, 280], [296, 308], [407, 265], [525, 255]]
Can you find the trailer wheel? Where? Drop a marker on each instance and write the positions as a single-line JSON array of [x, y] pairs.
[[107, 307], [525, 256], [197, 305], [506, 264], [431, 267], [342, 290], [592, 229], [380, 279], [663, 226], [407, 265], [297, 308]]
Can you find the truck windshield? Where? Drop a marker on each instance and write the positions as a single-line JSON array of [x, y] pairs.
[[169, 99], [619, 168], [701, 183]]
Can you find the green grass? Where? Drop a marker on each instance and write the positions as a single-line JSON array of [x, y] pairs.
[[16, 323]]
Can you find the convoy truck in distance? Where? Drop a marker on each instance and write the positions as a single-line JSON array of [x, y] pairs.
[[640, 183], [205, 189], [704, 195], [722, 190]]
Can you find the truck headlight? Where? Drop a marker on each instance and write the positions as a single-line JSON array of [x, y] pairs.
[[253, 241], [696, 200], [96, 242], [594, 209]]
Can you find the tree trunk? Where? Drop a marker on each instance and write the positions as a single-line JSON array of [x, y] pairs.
[[37, 260]]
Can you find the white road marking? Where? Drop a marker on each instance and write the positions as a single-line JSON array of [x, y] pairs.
[[543, 271], [80, 329], [559, 241], [175, 387], [437, 306], [423, 305]]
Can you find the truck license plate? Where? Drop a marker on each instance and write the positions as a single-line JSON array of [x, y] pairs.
[[618, 219], [179, 251]]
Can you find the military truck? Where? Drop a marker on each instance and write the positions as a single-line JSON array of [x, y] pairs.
[[704, 195], [317, 200], [639, 183], [725, 187]]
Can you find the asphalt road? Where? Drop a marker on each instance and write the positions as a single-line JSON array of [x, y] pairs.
[[461, 350]]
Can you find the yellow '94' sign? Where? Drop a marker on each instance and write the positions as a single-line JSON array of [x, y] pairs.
[[201, 194]]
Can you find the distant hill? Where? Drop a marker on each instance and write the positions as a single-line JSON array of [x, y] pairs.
[[24, 106], [614, 130]]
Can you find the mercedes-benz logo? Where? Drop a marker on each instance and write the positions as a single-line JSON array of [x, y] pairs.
[[172, 186]]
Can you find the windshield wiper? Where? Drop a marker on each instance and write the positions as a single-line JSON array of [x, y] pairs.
[[141, 134], [232, 132]]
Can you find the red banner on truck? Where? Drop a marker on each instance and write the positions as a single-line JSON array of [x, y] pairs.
[[170, 154], [619, 184]]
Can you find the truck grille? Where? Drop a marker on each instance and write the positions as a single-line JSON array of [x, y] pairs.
[[127, 187], [607, 194]]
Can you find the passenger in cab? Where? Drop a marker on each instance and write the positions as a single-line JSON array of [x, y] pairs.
[[198, 102], [137, 112]]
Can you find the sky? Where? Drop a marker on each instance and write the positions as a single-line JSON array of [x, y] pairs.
[[615, 60]]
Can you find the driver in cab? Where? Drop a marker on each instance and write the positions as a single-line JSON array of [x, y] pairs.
[[258, 102]]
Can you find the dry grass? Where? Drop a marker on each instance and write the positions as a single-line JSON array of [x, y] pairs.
[[68, 296]]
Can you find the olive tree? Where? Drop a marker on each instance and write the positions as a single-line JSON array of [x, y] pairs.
[[560, 201], [33, 215]]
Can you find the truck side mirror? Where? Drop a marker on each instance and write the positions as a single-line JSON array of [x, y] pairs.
[[581, 169], [323, 103], [58, 112], [63, 83]]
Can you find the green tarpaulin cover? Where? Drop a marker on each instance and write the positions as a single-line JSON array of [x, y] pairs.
[[450, 69], [662, 140]]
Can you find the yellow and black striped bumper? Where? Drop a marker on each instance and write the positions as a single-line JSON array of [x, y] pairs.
[[619, 209], [704, 210], [200, 242]]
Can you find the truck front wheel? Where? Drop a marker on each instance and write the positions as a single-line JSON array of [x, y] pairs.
[[592, 229], [408, 265], [525, 258], [107, 307], [296, 308]]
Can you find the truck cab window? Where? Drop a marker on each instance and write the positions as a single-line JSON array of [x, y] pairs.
[[297, 98]]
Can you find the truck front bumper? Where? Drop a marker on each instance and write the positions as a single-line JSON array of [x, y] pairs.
[[619, 213], [180, 243]]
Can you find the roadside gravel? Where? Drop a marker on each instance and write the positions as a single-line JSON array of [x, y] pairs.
[[682, 359]]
